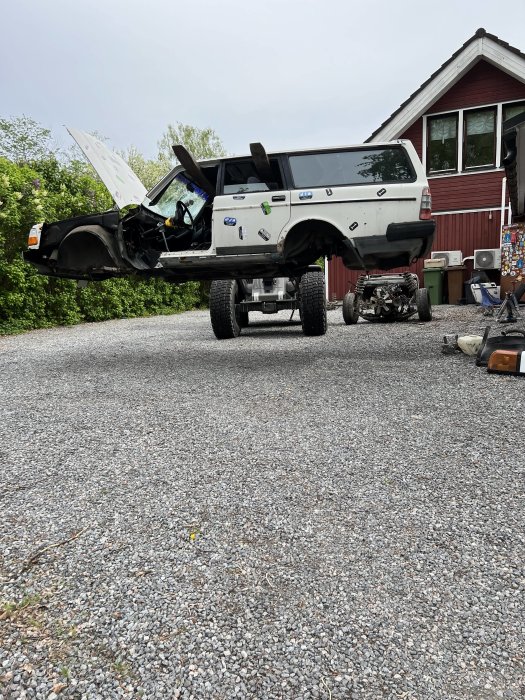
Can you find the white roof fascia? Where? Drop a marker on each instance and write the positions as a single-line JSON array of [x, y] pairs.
[[501, 57], [483, 47]]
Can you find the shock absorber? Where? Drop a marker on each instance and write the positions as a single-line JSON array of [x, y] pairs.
[[410, 282], [360, 286]]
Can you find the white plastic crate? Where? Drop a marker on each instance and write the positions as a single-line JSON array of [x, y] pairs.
[[491, 288]]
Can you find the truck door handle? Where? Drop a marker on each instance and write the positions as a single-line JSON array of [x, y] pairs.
[[279, 198]]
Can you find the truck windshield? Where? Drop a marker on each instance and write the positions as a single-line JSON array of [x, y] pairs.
[[181, 188]]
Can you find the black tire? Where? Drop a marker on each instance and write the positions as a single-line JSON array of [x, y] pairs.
[[224, 319], [350, 314], [424, 307], [313, 303], [520, 291]]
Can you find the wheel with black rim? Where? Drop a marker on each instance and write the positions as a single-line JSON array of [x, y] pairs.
[[423, 305], [225, 320], [350, 314], [313, 303]]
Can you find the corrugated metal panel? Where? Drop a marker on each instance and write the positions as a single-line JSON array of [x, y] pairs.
[[483, 84], [465, 232]]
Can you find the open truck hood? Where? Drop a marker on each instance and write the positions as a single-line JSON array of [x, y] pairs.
[[122, 183]]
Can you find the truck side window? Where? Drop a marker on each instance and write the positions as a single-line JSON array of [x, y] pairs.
[[242, 176], [352, 167]]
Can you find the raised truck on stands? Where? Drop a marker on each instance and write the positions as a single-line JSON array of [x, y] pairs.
[[255, 217]]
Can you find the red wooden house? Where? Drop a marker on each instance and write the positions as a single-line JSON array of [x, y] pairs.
[[455, 122]]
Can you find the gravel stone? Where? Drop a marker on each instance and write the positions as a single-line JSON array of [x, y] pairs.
[[268, 517]]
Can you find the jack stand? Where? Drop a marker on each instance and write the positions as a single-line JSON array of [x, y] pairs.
[[510, 305]]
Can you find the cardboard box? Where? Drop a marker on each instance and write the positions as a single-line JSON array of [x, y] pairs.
[[434, 263]]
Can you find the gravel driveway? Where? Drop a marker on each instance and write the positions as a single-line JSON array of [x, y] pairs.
[[269, 517]]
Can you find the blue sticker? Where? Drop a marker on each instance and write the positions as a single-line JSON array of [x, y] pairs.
[[230, 221], [305, 195]]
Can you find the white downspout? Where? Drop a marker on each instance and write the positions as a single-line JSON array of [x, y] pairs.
[[503, 196], [326, 279]]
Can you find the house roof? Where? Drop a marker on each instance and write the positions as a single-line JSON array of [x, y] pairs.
[[480, 46]]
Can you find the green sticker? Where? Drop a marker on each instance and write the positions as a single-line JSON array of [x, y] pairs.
[[266, 208]]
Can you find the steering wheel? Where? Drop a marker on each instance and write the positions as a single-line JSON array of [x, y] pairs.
[[182, 210]]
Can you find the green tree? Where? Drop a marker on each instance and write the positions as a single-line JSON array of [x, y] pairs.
[[149, 172], [38, 183], [201, 143], [23, 140]]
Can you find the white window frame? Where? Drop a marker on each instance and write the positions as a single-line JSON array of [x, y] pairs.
[[460, 112]]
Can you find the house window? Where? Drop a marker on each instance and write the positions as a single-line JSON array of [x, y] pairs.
[[467, 140], [510, 111], [443, 143], [479, 140]]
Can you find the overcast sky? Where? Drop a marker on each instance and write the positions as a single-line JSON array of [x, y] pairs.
[[289, 73]]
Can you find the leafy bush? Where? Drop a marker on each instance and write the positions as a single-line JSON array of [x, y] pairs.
[[52, 190], [37, 184]]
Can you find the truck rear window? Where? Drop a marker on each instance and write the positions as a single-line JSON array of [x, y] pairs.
[[355, 167]]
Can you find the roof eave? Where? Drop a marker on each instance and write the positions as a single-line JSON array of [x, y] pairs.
[[480, 47]]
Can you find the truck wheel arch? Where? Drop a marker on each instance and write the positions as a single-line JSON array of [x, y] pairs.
[[312, 238], [87, 247]]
